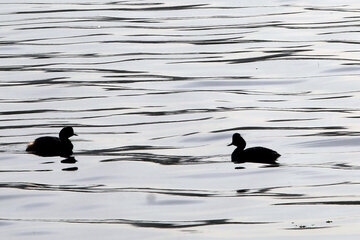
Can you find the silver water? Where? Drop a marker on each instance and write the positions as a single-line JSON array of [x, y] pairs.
[[155, 89]]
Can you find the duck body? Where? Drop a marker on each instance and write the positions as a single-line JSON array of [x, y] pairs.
[[53, 146], [253, 154], [50, 146]]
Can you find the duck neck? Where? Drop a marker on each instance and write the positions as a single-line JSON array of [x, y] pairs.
[[241, 144], [66, 143], [64, 138]]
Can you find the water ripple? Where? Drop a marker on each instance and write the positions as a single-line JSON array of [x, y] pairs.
[[146, 82], [145, 223]]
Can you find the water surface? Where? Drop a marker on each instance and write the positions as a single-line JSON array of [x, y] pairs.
[[155, 90]]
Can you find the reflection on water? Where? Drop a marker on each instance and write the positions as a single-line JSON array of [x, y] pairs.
[[69, 160], [323, 203], [271, 192], [70, 169], [155, 90], [147, 224]]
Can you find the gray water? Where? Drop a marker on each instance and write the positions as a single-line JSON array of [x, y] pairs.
[[155, 90]]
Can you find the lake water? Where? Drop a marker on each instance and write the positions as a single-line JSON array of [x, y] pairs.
[[155, 90]]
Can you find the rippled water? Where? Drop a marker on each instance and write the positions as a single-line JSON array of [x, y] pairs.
[[155, 89]]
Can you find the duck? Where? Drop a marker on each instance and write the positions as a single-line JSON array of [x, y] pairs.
[[253, 154], [53, 146]]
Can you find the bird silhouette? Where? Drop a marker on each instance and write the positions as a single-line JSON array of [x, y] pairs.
[[253, 154], [53, 146]]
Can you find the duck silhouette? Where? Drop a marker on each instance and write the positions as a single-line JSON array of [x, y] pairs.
[[53, 146], [254, 154]]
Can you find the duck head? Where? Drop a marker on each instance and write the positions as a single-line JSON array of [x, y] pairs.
[[66, 133], [238, 141]]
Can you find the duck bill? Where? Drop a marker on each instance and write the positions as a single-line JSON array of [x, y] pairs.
[[230, 144]]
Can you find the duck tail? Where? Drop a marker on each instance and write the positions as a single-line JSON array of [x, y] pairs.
[[30, 147]]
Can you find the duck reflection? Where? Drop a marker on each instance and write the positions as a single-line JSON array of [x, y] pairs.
[[253, 154], [70, 169], [69, 160]]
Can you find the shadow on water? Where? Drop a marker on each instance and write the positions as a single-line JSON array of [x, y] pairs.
[[107, 125], [322, 203], [329, 165], [25, 170], [145, 223], [114, 7], [256, 192], [124, 154], [307, 227], [334, 142], [162, 159], [277, 128]]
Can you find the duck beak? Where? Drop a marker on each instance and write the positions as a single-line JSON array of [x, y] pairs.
[[230, 144], [75, 134]]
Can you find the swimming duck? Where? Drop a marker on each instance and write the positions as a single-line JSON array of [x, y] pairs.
[[254, 154], [53, 146]]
